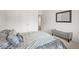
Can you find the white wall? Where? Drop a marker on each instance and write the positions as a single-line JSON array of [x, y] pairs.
[[2, 19], [49, 22], [20, 20]]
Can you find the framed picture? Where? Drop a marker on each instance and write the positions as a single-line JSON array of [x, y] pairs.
[[64, 16]]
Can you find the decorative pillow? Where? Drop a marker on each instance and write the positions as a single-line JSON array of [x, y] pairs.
[[20, 37], [4, 34], [3, 41], [12, 32], [13, 40], [6, 31]]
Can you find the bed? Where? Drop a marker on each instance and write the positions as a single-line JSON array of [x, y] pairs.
[[30, 40]]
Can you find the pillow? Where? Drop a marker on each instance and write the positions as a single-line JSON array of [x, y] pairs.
[[6, 31], [13, 40], [3, 36], [20, 37], [12, 32]]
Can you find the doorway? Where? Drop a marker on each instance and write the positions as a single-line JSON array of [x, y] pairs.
[[39, 22]]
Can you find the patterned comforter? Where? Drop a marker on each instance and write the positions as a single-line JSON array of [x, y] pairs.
[[31, 40], [42, 40]]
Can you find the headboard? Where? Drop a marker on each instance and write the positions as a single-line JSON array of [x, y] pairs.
[[65, 35]]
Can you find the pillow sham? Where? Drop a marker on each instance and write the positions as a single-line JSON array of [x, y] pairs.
[[20, 37], [13, 40], [3, 42]]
